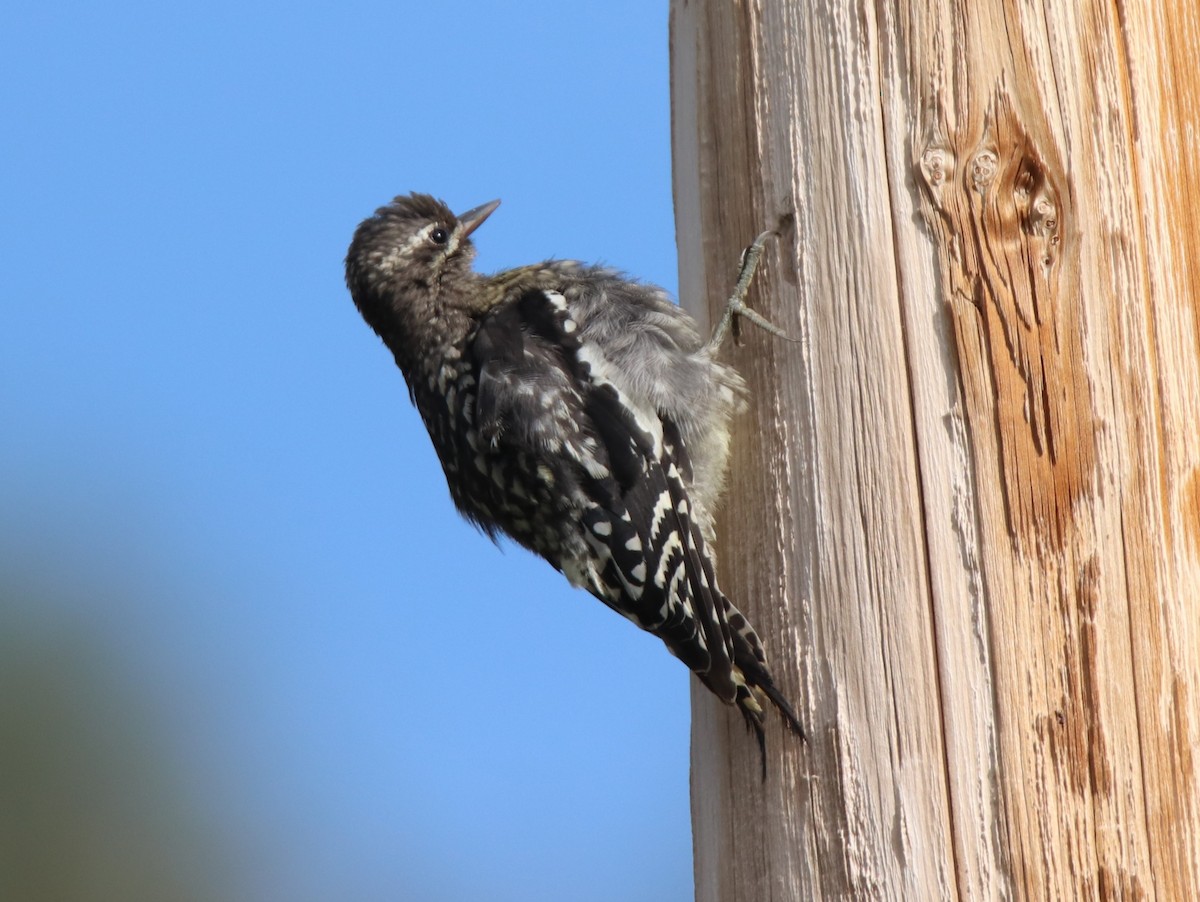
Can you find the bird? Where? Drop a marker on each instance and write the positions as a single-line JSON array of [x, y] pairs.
[[579, 412]]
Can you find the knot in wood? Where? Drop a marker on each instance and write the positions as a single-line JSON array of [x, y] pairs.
[[983, 169], [934, 165]]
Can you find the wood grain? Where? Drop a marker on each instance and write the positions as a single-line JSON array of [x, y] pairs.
[[965, 509]]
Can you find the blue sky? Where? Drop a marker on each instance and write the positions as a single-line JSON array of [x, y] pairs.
[[209, 462]]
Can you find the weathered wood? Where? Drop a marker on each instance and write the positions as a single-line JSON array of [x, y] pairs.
[[965, 510]]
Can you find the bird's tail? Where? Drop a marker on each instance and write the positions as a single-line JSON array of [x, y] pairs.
[[756, 691]]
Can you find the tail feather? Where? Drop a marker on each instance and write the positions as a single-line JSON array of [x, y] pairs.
[[755, 687]]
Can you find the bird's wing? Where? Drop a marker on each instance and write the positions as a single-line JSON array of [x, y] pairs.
[[642, 551]]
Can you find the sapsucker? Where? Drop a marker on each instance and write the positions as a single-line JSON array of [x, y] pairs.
[[579, 412]]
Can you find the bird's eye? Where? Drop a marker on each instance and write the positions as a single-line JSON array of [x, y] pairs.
[[439, 235]]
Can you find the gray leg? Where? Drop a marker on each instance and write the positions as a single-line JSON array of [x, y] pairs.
[[736, 305]]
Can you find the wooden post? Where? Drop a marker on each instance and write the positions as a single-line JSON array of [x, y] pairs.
[[965, 509]]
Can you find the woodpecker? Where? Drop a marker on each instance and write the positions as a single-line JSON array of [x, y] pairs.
[[579, 412]]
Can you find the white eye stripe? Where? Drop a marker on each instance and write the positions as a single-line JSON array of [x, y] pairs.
[[424, 238], [402, 254]]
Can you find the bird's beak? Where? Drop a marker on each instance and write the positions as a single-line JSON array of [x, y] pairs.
[[473, 219]]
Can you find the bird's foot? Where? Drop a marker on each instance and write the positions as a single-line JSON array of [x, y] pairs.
[[736, 305]]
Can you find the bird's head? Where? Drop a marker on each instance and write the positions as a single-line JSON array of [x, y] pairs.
[[409, 257]]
